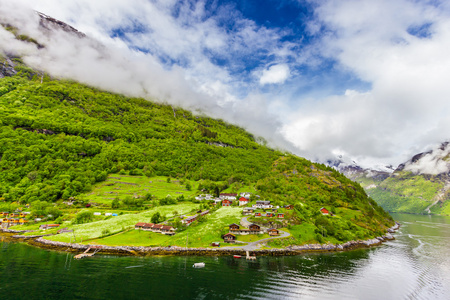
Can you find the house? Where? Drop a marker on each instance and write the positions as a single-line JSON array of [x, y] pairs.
[[157, 228], [247, 211], [189, 220], [204, 197], [114, 215], [147, 226], [139, 225], [168, 230], [263, 204], [5, 214], [280, 215], [204, 213], [234, 227], [228, 196], [257, 214], [215, 244], [226, 202], [22, 221], [217, 201], [48, 226], [229, 238], [290, 206], [243, 201], [14, 215], [269, 215], [97, 214], [108, 214], [254, 229], [324, 211], [273, 232]]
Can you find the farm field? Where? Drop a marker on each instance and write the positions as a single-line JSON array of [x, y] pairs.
[[120, 186]]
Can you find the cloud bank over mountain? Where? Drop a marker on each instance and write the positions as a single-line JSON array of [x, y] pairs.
[[363, 79]]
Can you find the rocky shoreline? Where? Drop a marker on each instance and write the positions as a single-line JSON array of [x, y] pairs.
[[40, 242]]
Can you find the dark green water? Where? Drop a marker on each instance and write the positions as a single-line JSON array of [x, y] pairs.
[[414, 266]]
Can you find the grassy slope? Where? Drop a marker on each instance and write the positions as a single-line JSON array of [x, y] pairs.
[[407, 193]]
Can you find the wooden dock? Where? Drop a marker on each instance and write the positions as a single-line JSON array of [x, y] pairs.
[[86, 254]]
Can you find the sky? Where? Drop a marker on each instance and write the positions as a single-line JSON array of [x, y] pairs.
[[366, 80]]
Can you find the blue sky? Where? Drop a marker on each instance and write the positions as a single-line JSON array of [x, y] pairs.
[[364, 79]]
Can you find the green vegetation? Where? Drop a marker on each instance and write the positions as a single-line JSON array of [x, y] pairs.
[[65, 146], [407, 192]]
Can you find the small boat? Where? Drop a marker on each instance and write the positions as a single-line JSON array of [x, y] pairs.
[[199, 265], [237, 256]]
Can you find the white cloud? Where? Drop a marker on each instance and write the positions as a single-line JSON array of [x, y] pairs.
[[275, 74]]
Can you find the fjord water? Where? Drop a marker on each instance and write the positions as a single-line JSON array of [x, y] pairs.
[[414, 266]]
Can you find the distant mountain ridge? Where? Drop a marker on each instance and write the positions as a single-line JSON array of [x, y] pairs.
[[419, 185]]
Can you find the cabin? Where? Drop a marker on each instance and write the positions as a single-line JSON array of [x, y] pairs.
[[234, 227], [215, 244], [168, 230], [114, 215], [269, 215], [157, 228], [22, 215], [226, 202], [228, 196], [229, 238], [189, 220], [280, 215], [97, 214], [245, 195], [324, 211], [204, 213], [273, 232], [108, 214], [48, 226], [290, 206], [247, 211], [204, 197], [22, 221], [147, 226], [254, 229], [139, 225], [243, 201], [14, 215], [263, 204], [257, 214], [5, 214]]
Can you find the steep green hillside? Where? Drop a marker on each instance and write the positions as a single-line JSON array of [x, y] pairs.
[[412, 193], [59, 138]]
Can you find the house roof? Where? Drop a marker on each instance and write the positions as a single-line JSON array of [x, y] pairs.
[[254, 225], [272, 229], [229, 234], [140, 224], [233, 224], [262, 202], [148, 225], [167, 228], [158, 226], [243, 199]]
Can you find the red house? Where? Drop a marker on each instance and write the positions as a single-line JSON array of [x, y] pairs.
[[258, 214], [226, 202], [269, 214], [324, 211], [280, 215], [243, 201]]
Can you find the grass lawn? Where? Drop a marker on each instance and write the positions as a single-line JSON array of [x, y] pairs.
[[131, 238], [120, 186], [120, 223], [252, 237]]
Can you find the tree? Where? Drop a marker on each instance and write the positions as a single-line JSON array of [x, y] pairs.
[[83, 217], [115, 203], [156, 218]]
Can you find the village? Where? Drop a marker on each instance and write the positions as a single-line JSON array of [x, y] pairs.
[[261, 210]]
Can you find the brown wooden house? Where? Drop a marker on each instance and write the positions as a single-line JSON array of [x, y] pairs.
[[234, 227], [229, 238], [168, 230], [273, 232], [139, 225], [290, 206]]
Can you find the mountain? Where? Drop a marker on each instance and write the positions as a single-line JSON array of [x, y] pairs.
[[420, 185], [59, 137]]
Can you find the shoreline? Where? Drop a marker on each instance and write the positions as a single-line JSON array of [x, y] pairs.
[[39, 241]]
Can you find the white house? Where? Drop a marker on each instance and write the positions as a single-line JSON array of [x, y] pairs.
[[243, 201], [228, 196], [263, 204]]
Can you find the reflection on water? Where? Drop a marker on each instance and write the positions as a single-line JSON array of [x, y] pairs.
[[414, 266]]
